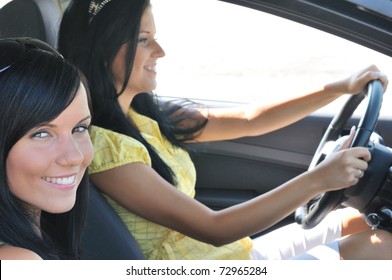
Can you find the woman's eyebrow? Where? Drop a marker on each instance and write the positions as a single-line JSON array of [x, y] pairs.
[[86, 118], [53, 125]]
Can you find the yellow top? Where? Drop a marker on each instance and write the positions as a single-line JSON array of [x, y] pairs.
[[157, 242]]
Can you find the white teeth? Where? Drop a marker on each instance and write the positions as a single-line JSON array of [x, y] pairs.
[[61, 181], [150, 68]]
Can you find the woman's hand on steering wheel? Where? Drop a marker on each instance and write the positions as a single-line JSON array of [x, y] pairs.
[[355, 83], [343, 168]]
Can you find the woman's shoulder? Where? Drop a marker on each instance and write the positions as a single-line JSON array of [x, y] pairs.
[[97, 131], [114, 149], [8, 252], [102, 137]]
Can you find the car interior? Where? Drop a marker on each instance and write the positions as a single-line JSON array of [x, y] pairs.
[[270, 159]]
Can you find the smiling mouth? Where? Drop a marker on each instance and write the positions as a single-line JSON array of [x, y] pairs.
[[61, 181], [151, 68]]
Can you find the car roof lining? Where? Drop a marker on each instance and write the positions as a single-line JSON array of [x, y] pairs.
[[376, 6]]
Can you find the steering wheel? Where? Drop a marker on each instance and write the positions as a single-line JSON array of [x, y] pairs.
[[312, 213]]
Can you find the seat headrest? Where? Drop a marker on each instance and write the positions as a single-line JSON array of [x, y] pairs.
[[31, 18]]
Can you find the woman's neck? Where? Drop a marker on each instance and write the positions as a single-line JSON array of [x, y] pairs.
[[125, 100]]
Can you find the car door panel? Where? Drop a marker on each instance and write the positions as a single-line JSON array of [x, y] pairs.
[[231, 172]]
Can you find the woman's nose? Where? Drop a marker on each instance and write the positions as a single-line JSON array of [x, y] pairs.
[[159, 52], [69, 153]]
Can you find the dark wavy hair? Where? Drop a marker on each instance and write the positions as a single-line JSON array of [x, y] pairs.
[[92, 45], [35, 89]]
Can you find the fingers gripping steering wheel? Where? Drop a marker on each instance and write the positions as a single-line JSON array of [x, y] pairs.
[[312, 213]]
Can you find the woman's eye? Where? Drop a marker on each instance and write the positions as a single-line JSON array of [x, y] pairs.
[[81, 129], [40, 135], [143, 41]]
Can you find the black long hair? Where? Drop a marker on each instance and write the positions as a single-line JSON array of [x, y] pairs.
[[92, 44], [35, 89]]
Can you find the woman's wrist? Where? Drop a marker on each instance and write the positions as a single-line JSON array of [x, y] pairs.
[[336, 89]]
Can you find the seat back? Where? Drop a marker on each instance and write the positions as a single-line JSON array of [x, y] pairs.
[[106, 237], [31, 18]]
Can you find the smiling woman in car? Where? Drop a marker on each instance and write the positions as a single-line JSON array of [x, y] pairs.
[[143, 167], [45, 150]]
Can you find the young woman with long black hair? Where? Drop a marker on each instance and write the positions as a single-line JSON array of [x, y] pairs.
[[44, 152]]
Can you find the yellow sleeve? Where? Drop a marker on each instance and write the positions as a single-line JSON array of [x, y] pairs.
[[113, 149]]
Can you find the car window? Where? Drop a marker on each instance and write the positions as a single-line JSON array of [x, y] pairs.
[[220, 51]]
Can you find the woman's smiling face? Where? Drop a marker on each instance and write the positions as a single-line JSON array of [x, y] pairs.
[[148, 51], [45, 166]]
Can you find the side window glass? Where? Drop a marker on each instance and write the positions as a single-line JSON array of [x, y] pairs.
[[223, 52]]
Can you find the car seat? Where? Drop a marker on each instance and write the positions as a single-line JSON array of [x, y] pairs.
[[105, 237], [31, 18]]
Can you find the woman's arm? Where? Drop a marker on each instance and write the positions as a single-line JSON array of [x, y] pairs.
[[252, 120], [139, 188]]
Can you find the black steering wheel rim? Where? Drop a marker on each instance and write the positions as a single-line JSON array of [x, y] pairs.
[[312, 213]]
